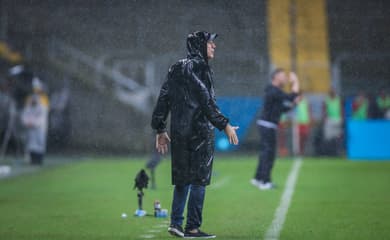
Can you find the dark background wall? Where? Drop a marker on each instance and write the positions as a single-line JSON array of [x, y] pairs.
[[155, 28], [152, 31], [359, 39]]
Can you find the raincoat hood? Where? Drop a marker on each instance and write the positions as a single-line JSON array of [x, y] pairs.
[[197, 43]]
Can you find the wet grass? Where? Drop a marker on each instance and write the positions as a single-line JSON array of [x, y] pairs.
[[334, 199]]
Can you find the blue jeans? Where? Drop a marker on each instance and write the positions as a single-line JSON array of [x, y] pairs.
[[194, 206]]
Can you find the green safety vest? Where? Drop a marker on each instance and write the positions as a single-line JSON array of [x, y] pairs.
[[361, 112], [333, 108], [303, 113], [383, 103], [283, 118]]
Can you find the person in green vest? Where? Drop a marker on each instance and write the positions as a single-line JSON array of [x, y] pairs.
[[360, 107], [303, 119], [332, 126], [333, 107], [383, 101]]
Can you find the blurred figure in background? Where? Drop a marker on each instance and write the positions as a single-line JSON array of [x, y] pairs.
[[60, 117], [360, 107], [276, 102], [7, 112], [332, 124], [18, 87], [5, 101], [303, 119], [383, 101], [35, 120], [283, 129], [374, 111]]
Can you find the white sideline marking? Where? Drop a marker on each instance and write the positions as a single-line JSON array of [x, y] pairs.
[[274, 230], [155, 229], [160, 226], [147, 236]]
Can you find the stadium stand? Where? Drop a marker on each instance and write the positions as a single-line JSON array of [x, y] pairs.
[[117, 45]]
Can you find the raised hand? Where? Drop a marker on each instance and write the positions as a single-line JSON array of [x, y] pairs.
[[293, 77]]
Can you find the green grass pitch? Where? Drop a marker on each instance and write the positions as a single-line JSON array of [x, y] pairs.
[[333, 199]]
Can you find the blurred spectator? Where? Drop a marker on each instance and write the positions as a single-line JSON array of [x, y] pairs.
[[59, 120], [303, 119], [35, 119], [4, 105], [7, 113], [383, 101], [283, 130], [332, 116], [374, 111], [360, 107], [17, 87], [21, 83], [332, 125]]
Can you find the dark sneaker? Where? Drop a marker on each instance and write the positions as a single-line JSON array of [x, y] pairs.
[[198, 234], [176, 230]]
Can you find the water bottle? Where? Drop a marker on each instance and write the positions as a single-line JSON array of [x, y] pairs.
[[157, 208], [163, 213]]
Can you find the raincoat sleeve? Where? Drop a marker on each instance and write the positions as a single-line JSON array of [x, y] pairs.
[[161, 110], [207, 103]]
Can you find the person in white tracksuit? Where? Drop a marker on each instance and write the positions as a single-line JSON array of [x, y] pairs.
[[35, 120]]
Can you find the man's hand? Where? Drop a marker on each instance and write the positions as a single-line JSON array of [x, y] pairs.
[[293, 77], [231, 134], [298, 99], [162, 141], [294, 81]]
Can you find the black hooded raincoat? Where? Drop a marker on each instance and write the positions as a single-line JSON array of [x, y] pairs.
[[188, 93]]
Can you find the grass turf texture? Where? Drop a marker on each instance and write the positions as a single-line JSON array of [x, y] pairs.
[[334, 199]]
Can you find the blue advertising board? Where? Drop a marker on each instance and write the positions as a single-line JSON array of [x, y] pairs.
[[368, 140], [242, 112]]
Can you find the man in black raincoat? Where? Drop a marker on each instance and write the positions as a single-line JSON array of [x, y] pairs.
[[188, 94]]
